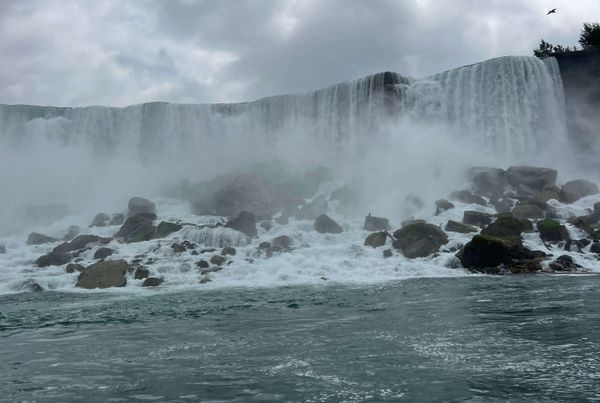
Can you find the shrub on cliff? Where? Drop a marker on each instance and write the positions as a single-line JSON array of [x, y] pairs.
[[590, 36]]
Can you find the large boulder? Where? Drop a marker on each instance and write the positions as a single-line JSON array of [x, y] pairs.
[[373, 223], [467, 197], [72, 232], [80, 242], [529, 180], [104, 274], [476, 218], [528, 211], [311, 210], [490, 182], [165, 229], [507, 226], [100, 220], [117, 219], [137, 228], [152, 282], [419, 240], [576, 189], [376, 239], [564, 263], [455, 226], [282, 242], [442, 205], [103, 253], [552, 231], [139, 205], [39, 239], [325, 225], [53, 259], [244, 222]]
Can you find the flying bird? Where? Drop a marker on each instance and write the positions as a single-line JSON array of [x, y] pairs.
[[553, 11]]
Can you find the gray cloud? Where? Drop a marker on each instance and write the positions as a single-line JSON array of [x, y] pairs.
[[67, 52]]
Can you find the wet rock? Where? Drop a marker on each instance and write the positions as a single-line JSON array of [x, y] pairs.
[[477, 218], [413, 202], [526, 266], [217, 260], [376, 239], [152, 282], [165, 229], [282, 220], [348, 197], [442, 205], [53, 259], [576, 189], [582, 243], [203, 264], [139, 205], [282, 242], [208, 250], [80, 242], [141, 273], [502, 205], [117, 219], [464, 196], [211, 270], [313, 209], [30, 285], [552, 231], [72, 232], [39, 239], [104, 274], [412, 221], [178, 248], [373, 223], [325, 225], [264, 245], [455, 226], [387, 253], [266, 225], [228, 250], [204, 280], [490, 182], [100, 220], [244, 222], [564, 263], [419, 240], [549, 194], [73, 267], [528, 211], [529, 180], [103, 253], [507, 226], [595, 248], [137, 228]]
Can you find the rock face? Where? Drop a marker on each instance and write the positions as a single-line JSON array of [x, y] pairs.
[[136, 229], [39, 239], [419, 240], [507, 226], [477, 218], [245, 222], [100, 220], [530, 180], [105, 274], [490, 182], [376, 239], [139, 205], [552, 231], [325, 225], [455, 226], [53, 259], [165, 229], [576, 189], [373, 223]]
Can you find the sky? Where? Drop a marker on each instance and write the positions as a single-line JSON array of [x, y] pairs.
[[119, 52]]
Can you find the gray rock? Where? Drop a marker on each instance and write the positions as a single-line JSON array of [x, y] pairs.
[[477, 218], [104, 274], [228, 250], [101, 220], [139, 205], [502, 205], [373, 223], [442, 205], [53, 259], [412, 221], [455, 226], [178, 248], [531, 179], [72, 232], [387, 253], [282, 242], [103, 253], [80, 242], [419, 240], [117, 219], [464, 196], [152, 282], [244, 222], [217, 260], [141, 273], [73, 267], [136, 229], [165, 229], [376, 239], [507, 226], [203, 264], [595, 248], [490, 182], [39, 239], [30, 285], [325, 225], [576, 189], [528, 211], [564, 263], [313, 209]]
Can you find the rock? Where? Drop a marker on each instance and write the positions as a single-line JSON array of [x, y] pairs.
[[595, 248], [103, 253], [387, 253], [152, 282], [455, 226], [117, 219], [526, 266], [548, 194], [73, 267], [376, 239], [529, 180], [348, 197], [576, 189], [325, 225], [72, 232], [282, 220], [373, 223], [228, 250], [414, 202], [266, 225], [419, 240], [564, 263], [203, 264], [282, 242], [412, 221], [264, 245], [217, 260], [39, 239], [313, 209], [139, 205], [527, 211], [442, 205], [104, 274], [502, 205], [464, 196], [487, 253], [210, 270], [507, 226], [101, 220], [80, 242], [208, 250], [165, 229], [244, 222], [53, 259], [552, 231], [204, 280], [31, 285], [490, 182], [136, 228], [178, 248], [477, 218], [2, 249], [141, 273], [582, 243]]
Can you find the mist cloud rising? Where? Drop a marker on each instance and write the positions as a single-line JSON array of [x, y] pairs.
[[63, 52]]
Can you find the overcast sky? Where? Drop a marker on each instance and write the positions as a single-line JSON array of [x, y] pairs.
[[117, 52]]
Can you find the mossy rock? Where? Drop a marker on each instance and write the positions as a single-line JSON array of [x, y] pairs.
[[552, 231], [507, 226]]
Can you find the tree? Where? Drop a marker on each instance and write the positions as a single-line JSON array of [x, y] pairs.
[[544, 50], [590, 36]]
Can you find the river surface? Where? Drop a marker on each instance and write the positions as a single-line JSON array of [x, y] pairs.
[[473, 338]]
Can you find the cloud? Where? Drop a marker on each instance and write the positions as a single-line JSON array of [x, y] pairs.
[[67, 52]]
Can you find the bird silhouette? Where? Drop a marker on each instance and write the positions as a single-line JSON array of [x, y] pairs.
[[553, 11]]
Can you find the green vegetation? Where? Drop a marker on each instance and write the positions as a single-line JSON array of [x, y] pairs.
[[588, 39]]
